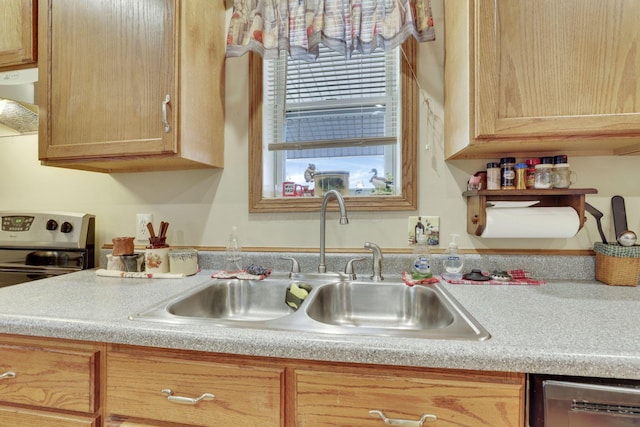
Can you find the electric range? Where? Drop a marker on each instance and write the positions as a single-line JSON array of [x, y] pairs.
[[37, 245]]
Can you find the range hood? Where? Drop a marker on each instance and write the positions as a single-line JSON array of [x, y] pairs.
[[18, 109]]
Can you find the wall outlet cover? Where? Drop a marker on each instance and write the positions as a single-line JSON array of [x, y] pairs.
[[431, 226], [142, 232]]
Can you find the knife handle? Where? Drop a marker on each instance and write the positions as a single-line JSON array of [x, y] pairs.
[[619, 215]]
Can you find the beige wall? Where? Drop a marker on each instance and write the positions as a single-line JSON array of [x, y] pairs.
[[203, 205]]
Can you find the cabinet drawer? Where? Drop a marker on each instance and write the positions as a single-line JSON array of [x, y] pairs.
[[243, 395], [49, 377], [17, 417], [120, 421], [345, 399]]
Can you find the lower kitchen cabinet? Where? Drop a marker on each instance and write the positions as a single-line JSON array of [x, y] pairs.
[[120, 421], [49, 383], [192, 389], [251, 391], [60, 383], [375, 397], [19, 417]]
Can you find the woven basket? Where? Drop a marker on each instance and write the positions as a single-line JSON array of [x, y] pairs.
[[617, 265]]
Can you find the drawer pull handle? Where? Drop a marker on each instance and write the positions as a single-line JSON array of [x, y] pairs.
[[7, 375], [165, 120], [399, 422], [186, 400]]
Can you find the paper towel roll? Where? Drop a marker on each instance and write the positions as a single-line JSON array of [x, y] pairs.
[[543, 222]]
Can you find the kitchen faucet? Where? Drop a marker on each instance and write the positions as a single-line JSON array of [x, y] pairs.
[[322, 268], [377, 260]]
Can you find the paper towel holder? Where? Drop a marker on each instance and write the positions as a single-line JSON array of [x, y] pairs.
[[477, 202]]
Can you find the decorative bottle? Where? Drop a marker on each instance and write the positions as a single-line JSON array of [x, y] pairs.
[[421, 268], [233, 254]]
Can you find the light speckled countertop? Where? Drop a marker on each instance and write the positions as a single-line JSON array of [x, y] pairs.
[[564, 327]]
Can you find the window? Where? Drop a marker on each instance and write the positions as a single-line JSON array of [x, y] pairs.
[[338, 123]]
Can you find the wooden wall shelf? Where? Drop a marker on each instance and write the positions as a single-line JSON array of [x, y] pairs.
[[477, 202]]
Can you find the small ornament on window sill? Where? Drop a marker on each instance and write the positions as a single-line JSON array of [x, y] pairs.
[[381, 185]]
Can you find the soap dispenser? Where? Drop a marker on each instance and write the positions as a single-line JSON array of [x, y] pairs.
[[421, 267], [453, 261]]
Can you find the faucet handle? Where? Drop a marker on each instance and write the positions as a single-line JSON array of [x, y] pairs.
[[374, 248], [348, 269], [377, 260], [295, 265]]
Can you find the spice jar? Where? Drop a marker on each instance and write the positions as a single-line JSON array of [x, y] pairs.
[[560, 159], [521, 176], [562, 176], [493, 176], [531, 172], [507, 173], [543, 176], [546, 160]]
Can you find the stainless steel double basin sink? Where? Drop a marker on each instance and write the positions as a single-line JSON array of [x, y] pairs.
[[333, 306]]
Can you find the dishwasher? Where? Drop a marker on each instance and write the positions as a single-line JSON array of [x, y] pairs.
[[561, 401]]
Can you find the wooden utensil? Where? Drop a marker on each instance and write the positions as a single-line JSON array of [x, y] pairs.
[[150, 228]]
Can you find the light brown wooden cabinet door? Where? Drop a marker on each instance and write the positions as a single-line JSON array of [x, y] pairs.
[[566, 67], [146, 387], [117, 421], [49, 377], [20, 417], [131, 85], [346, 399], [110, 72], [18, 37], [527, 76]]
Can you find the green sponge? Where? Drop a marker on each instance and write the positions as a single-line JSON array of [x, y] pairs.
[[296, 293]]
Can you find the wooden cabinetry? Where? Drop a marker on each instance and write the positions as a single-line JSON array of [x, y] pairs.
[[115, 421], [525, 77], [49, 383], [362, 396], [131, 86], [18, 417], [191, 389], [18, 34], [74, 384], [269, 392]]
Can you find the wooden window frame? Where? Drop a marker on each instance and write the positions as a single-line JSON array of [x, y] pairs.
[[405, 201]]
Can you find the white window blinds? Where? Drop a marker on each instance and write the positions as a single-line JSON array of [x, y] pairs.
[[334, 107]]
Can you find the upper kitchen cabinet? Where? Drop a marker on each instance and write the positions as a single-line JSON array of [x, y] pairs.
[[18, 39], [528, 77], [130, 86]]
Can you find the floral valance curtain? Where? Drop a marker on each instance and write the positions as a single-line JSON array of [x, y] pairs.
[[299, 26]]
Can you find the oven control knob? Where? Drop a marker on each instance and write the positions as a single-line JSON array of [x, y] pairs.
[[52, 224], [66, 227]]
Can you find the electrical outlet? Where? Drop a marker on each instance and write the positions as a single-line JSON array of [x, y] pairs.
[[142, 233]]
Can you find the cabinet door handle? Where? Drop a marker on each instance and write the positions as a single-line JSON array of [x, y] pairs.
[[7, 375], [399, 422], [165, 121], [186, 400]]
